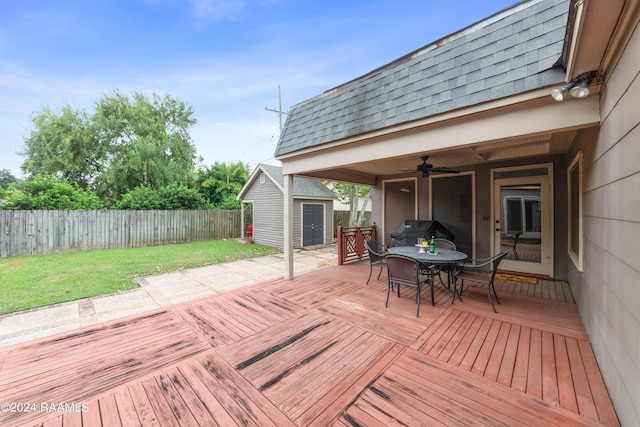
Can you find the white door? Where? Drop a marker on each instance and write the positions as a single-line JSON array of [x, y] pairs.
[[523, 219]]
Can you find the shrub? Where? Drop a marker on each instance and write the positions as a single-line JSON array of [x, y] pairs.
[[49, 193]]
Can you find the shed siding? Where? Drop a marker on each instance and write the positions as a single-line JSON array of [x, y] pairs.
[[607, 291], [268, 213]]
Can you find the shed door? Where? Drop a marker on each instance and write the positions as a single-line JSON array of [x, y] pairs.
[[312, 224]]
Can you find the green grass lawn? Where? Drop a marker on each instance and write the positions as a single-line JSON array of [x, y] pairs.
[[38, 280]]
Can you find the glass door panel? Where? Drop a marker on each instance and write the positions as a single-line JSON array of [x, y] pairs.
[[523, 223]]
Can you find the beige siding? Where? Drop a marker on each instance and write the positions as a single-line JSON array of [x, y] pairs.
[[608, 292]]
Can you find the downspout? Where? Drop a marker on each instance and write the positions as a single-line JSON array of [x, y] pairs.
[[577, 28]]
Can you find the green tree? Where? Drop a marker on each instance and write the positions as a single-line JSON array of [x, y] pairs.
[[357, 197], [222, 182], [148, 142], [178, 196], [63, 144], [47, 192], [127, 142], [140, 198], [171, 197], [6, 178]]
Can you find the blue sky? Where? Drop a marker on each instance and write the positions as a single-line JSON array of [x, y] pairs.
[[225, 58]]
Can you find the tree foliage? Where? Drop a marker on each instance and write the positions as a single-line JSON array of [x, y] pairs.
[[46, 192], [63, 144], [172, 197], [131, 152], [147, 140], [221, 183], [357, 197], [127, 142], [6, 178]]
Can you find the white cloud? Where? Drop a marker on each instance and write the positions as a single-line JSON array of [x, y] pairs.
[[217, 9]]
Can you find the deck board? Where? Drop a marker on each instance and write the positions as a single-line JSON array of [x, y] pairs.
[[322, 349]]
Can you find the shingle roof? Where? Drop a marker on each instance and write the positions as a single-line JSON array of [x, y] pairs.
[[512, 52], [302, 187]]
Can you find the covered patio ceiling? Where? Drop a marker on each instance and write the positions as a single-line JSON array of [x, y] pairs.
[[535, 126], [467, 157]]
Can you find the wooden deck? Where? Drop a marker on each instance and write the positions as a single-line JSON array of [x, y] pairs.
[[319, 350]]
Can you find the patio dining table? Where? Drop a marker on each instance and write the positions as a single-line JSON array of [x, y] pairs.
[[440, 258]]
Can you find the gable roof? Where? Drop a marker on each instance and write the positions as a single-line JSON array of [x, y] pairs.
[[511, 52], [302, 187]]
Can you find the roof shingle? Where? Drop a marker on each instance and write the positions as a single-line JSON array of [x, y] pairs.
[[511, 52]]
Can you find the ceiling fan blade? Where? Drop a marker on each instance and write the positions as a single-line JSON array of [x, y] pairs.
[[427, 168], [444, 170]]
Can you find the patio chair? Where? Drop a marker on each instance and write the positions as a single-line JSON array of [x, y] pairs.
[[376, 256], [513, 245], [437, 270], [402, 270], [481, 271]]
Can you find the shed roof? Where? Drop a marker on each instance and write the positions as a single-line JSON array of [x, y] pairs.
[[511, 52], [302, 187]]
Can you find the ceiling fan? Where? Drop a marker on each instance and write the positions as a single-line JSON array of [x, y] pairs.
[[427, 168]]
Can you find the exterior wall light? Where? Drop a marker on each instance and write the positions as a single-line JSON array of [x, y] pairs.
[[578, 88]]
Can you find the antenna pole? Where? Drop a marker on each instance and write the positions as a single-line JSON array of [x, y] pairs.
[[279, 110]]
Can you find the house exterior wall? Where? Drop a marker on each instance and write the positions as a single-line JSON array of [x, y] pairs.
[[484, 226], [268, 213], [608, 290]]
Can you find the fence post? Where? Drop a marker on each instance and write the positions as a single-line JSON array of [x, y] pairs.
[[359, 240]]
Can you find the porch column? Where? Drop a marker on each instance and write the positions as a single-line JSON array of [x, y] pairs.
[[288, 227]]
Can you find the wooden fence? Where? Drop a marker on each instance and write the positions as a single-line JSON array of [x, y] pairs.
[[40, 232], [341, 218]]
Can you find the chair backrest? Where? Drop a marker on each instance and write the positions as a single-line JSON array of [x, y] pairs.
[[487, 266], [445, 244], [374, 248], [402, 269], [518, 234]]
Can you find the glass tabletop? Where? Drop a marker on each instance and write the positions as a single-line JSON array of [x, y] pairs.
[[443, 256]]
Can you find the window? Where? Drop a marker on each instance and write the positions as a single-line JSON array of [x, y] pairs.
[[574, 181], [263, 178]]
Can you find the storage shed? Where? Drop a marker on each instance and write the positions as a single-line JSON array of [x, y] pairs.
[[312, 208]]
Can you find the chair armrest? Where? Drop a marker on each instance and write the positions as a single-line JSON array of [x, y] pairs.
[[476, 263], [481, 276]]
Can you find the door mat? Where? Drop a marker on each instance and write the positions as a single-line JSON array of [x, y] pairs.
[[517, 278]]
